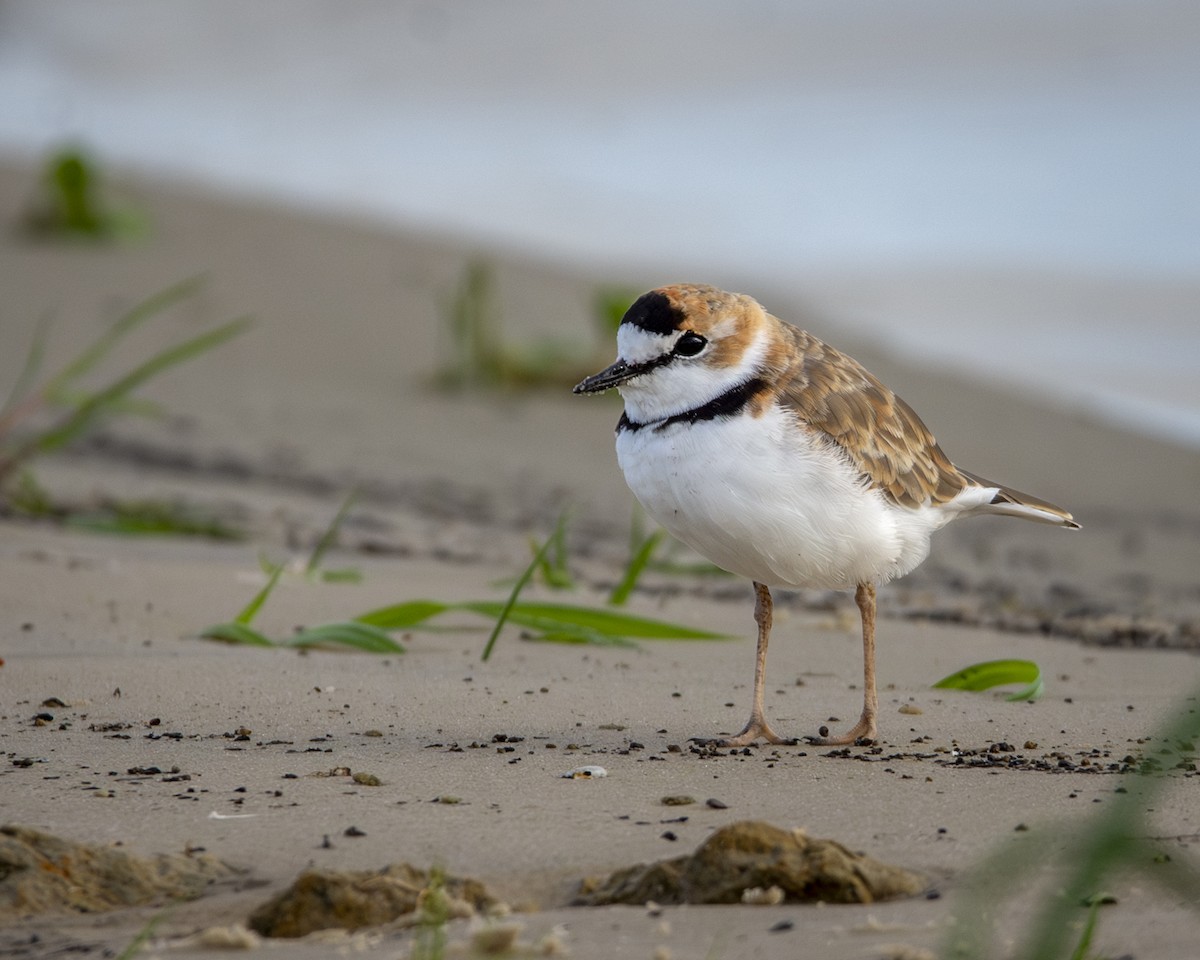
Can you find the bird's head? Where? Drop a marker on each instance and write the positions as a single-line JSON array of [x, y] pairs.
[[681, 346]]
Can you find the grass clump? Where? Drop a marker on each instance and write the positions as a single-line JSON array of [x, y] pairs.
[[482, 357], [345, 634], [372, 631], [71, 204], [39, 418]]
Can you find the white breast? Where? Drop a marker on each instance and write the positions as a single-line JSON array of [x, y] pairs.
[[764, 498]]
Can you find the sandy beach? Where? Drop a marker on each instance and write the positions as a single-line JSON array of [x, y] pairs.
[[332, 390]]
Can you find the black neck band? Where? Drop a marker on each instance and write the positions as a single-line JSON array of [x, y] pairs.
[[726, 405]]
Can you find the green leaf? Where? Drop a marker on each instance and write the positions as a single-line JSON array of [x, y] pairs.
[[252, 608], [554, 569], [589, 637], [502, 616], [330, 534], [633, 570], [995, 673], [551, 616], [401, 616], [360, 636], [235, 632]]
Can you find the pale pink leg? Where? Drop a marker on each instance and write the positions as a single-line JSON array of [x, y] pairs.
[[865, 729], [756, 727]]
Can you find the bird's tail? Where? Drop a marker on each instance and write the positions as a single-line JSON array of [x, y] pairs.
[[1014, 503]]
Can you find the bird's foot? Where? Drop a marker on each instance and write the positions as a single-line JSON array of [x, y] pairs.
[[756, 729], [860, 734]]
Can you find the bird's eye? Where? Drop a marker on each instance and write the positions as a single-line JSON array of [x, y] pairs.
[[689, 345]]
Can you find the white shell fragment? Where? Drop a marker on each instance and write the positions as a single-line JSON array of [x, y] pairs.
[[585, 773], [758, 897]]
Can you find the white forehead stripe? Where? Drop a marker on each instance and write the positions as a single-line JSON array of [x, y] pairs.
[[636, 346]]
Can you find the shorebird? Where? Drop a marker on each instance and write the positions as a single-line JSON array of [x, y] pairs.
[[783, 460]]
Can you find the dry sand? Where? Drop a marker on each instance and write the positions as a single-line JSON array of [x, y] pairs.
[[331, 389]]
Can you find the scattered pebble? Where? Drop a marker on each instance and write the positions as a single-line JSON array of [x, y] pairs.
[[716, 804], [911, 709], [677, 800]]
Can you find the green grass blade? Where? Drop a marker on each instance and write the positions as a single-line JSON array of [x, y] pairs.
[[235, 632], [522, 580], [552, 616], [553, 568], [330, 534], [30, 497], [401, 616], [29, 370], [251, 609], [1083, 948], [581, 637], [633, 570], [340, 575], [124, 325], [142, 937], [995, 673], [360, 636], [151, 519], [82, 417]]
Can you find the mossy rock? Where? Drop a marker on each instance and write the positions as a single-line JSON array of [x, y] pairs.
[[752, 855], [42, 873], [353, 899]]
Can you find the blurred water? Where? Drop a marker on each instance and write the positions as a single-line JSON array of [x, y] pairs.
[[1011, 189]]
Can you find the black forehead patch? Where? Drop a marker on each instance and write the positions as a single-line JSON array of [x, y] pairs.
[[654, 313]]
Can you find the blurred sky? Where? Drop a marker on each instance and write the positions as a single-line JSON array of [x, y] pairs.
[[867, 156]]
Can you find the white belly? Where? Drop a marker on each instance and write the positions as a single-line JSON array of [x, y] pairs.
[[762, 499]]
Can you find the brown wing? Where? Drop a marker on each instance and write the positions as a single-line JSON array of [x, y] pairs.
[[880, 433]]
